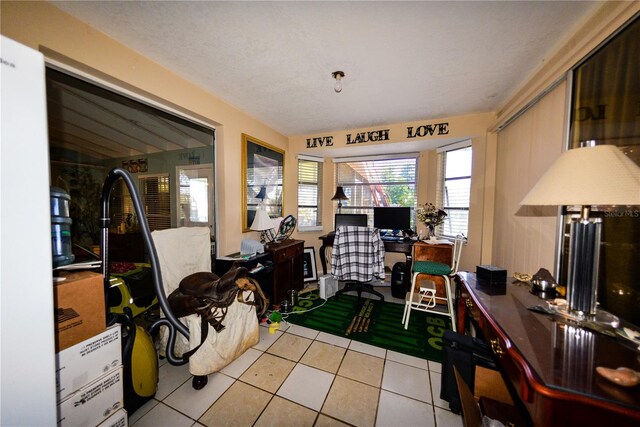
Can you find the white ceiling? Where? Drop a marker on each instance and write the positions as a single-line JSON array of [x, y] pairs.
[[404, 61]]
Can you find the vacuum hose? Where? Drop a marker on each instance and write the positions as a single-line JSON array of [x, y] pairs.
[[170, 320]]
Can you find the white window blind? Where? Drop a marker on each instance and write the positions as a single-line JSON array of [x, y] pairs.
[[454, 190], [309, 193], [378, 182]]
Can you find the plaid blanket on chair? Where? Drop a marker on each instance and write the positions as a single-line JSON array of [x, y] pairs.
[[358, 254]]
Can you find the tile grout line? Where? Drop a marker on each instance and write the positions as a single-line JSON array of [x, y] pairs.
[[298, 362]]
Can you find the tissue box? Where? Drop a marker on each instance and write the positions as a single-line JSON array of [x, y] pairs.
[[491, 274]]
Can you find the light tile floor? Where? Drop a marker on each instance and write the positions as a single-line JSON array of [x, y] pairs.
[[301, 377]]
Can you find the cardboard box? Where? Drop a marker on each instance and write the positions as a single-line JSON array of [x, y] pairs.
[[119, 419], [93, 403], [79, 308], [88, 360]]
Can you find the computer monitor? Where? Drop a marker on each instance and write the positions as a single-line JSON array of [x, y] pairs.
[[360, 220], [395, 218]]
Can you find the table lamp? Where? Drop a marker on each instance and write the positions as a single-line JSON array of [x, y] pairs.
[[586, 176], [339, 196]]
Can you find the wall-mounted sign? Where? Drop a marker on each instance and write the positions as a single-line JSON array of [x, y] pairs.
[[135, 166], [320, 141], [430, 130], [371, 136], [380, 135]]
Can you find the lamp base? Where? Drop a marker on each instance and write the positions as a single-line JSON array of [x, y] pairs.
[[600, 317], [584, 254]]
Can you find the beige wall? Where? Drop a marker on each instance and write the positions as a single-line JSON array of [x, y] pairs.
[[471, 126], [67, 40], [42, 26]]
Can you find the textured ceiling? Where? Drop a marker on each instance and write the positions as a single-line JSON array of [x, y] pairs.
[[403, 61]]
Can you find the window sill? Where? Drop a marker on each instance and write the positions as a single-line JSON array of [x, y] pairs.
[[310, 229]]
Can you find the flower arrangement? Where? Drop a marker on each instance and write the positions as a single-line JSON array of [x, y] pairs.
[[430, 216]]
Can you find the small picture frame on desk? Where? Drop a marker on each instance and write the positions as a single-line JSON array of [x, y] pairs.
[[309, 271]]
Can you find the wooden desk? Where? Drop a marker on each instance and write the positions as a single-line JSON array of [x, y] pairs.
[[550, 364]]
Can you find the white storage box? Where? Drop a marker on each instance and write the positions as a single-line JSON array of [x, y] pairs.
[[328, 286], [88, 360], [93, 403], [119, 419]]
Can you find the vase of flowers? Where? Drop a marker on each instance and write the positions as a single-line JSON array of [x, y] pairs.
[[431, 217]]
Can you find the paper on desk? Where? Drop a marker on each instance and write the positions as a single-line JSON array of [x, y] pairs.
[[438, 242], [234, 258]]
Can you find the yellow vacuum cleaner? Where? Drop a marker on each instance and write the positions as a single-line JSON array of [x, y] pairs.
[[139, 357], [140, 363]]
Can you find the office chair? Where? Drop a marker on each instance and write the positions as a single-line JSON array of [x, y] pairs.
[[358, 258], [425, 298]]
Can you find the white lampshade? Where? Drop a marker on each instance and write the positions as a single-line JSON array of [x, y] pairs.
[[599, 175], [261, 221]]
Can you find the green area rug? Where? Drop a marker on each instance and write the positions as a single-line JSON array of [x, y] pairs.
[[376, 323]]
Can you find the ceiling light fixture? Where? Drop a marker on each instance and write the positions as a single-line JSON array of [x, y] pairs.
[[338, 75]]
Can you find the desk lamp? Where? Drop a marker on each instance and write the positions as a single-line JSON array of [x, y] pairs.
[[339, 196], [586, 176], [262, 221]]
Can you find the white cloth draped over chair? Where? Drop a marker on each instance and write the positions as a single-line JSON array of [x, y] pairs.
[[184, 251]]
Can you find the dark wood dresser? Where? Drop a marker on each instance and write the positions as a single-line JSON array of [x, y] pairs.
[[288, 274], [550, 362]]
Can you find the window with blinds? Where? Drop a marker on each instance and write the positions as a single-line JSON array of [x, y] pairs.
[[309, 193], [378, 182], [154, 191], [454, 190]]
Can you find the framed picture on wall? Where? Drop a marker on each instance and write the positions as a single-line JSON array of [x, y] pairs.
[[262, 177], [309, 271]]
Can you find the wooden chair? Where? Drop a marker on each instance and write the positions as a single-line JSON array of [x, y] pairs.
[[425, 297]]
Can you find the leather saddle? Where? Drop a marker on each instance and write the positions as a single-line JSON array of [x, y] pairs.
[[209, 296]]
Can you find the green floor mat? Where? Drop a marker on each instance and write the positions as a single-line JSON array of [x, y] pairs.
[[373, 322]]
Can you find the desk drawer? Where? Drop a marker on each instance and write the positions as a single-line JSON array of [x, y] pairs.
[[288, 252], [506, 355]]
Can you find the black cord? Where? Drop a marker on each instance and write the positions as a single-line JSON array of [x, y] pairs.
[[170, 320]]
